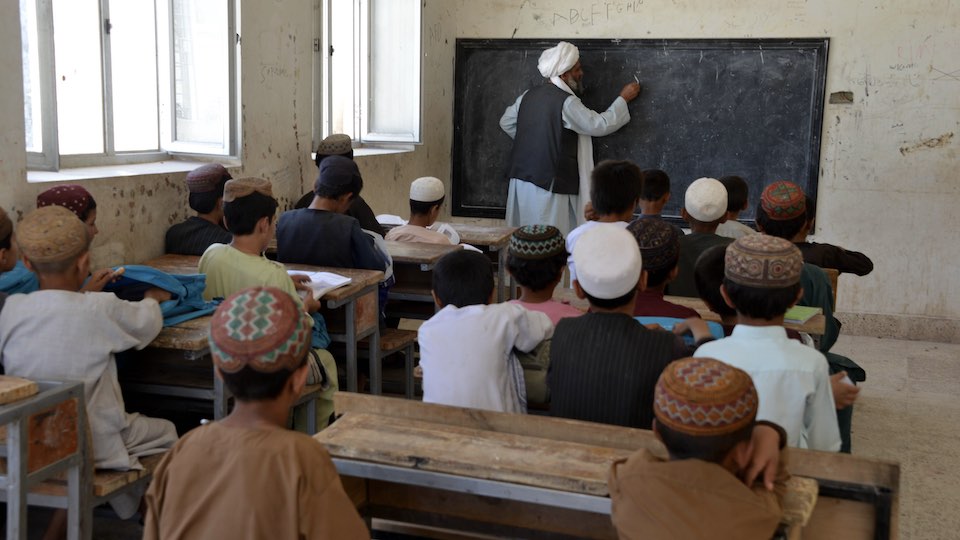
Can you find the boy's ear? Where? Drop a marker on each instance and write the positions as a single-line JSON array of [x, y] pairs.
[[674, 273], [298, 379], [28, 265], [684, 214], [579, 290], [436, 299], [665, 198], [726, 296], [83, 264], [797, 299], [642, 282]]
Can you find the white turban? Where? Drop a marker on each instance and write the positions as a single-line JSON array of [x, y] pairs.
[[558, 60]]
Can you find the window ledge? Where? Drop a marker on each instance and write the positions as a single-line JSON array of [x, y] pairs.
[[119, 171], [368, 151]]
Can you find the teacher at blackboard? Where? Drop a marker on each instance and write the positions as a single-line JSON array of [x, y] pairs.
[[553, 147]]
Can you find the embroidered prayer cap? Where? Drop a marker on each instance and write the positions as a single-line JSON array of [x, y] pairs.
[[260, 327], [206, 178], [706, 200], [704, 397], [427, 189], [70, 196], [337, 144], [608, 262], [6, 226], [537, 242], [557, 60], [763, 261], [659, 243], [783, 200], [241, 187], [52, 234], [337, 171]]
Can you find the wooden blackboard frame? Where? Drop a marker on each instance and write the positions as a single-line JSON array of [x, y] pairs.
[[461, 170]]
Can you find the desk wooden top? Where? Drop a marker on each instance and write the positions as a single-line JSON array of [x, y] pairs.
[[418, 252], [481, 235], [815, 326], [475, 453], [187, 336]]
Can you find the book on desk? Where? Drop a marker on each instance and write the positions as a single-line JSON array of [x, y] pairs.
[[801, 314], [322, 282]]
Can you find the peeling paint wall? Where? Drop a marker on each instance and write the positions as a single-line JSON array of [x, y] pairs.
[[888, 183]]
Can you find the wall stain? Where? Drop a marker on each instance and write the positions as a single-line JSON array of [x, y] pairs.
[[937, 142]]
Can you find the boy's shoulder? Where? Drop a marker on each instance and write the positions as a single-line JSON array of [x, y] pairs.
[[743, 349]]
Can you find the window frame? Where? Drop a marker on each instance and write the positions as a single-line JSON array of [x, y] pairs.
[[50, 159]]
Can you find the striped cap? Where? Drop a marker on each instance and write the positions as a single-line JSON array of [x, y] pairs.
[[763, 261], [260, 327], [783, 200], [537, 242], [704, 397]]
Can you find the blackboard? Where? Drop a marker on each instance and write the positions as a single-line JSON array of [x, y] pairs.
[[709, 107]]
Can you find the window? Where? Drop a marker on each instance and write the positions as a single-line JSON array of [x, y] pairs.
[[126, 81], [370, 74]]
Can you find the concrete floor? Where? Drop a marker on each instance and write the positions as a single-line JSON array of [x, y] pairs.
[[909, 411]]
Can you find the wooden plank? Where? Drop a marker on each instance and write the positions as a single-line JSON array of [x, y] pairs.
[[187, 336], [838, 518], [16, 388], [51, 436], [175, 264], [482, 235], [471, 452], [418, 252]]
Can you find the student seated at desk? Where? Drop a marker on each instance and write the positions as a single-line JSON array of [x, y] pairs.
[[654, 195], [704, 208], [614, 195], [660, 251], [536, 259], [467, 348], [762, 281], [249, 210], [426, 199], [247, 476], [737, 200], [8, 248], [60, 333], [604, 364], [829, 255], [197, 233], [705, 415]]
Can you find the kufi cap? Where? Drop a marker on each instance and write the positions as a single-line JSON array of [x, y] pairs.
[[337, 171], [206, 178], [608, 262], [52, 234], [763, 261], [558, 60], [6, 226], [260, 327], [783, 200], [704, 397], [70, 196], [427, 189], [659, 243], [337, 144], [537, 242], [706, 200], [241, 187]]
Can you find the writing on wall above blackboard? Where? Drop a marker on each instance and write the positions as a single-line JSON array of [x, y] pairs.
[[709, 107]]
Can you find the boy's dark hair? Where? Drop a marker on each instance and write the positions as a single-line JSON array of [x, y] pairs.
[[765, 303], [615, 186], [420, 208], [737, 192], [656, 184], [5, 241], [242, 214], [321, 157], [708, 448], [708, 276], [248, 384], [811, 209], [204, 203], [786, 228], [325, 191], [611, 303], [463, 278], [85, 213], [537, 274], [655, 278]]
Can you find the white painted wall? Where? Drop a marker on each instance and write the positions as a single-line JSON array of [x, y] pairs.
[[885, 188]]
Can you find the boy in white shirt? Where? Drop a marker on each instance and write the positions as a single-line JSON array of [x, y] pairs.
[[426, 199], [762, 281], [466, 348]]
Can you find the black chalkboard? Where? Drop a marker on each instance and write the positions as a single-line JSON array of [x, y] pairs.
[[709, 107]]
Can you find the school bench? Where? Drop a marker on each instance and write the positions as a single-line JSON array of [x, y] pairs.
[[534, 476]]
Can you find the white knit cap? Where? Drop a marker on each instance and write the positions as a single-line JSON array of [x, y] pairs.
[[558, 60], [706, 200], [607, 259], [426, 189]]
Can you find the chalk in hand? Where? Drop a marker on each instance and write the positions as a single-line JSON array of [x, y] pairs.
[[636, 78]]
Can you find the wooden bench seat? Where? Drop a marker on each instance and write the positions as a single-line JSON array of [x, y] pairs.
[[105, 482]]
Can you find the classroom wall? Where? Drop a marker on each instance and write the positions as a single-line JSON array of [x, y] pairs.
[[887, 184]]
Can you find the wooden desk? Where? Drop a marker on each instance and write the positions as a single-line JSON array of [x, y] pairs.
[[413, 270], [493, 241], [359, 317], [455, 467], [419, 253], [815, 326]]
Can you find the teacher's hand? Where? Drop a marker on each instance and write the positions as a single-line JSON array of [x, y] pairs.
[[630, 91]]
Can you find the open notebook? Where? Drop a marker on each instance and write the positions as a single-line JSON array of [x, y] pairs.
[[322, 282]]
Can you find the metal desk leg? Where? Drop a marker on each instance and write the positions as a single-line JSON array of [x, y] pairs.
[[220, 398], [351, 345], [376, 363], [502, 275], [17, 479], [408, 371], [79, 504]]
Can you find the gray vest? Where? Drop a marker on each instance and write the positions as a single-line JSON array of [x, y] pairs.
[[544, 152]]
